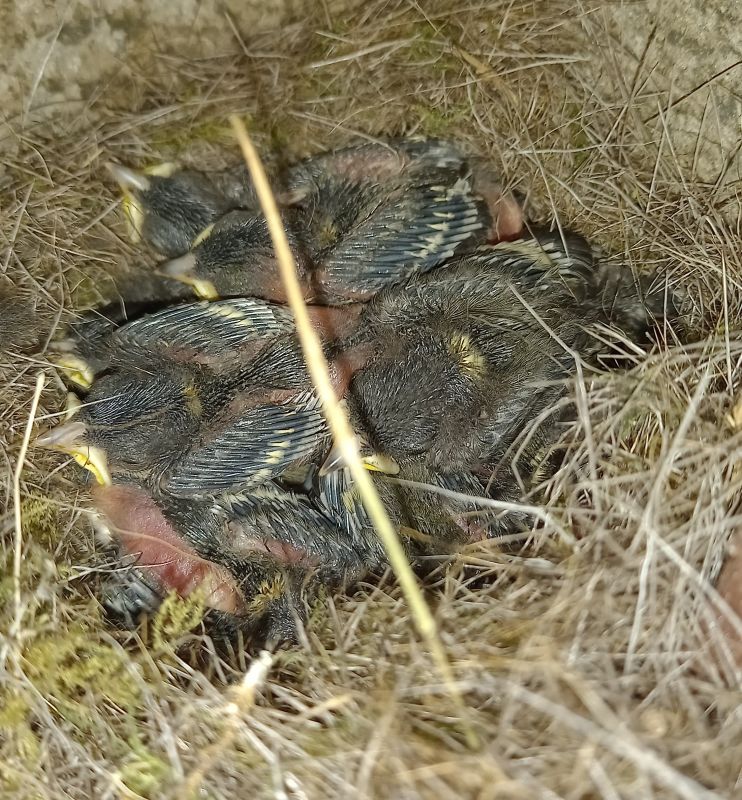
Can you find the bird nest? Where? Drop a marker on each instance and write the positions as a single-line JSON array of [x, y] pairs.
[[590, 662]]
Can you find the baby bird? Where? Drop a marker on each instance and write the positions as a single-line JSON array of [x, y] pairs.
[[254, 557], [102, 338], [202, 398], [445, 373], [248, 580], [469, 357], [167, 207], [360, 219]]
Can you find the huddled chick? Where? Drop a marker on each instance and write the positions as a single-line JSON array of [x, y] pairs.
[[358, 219], [199, 418], [202, 397]]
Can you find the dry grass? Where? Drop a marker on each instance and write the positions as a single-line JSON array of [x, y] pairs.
[[588, 662]]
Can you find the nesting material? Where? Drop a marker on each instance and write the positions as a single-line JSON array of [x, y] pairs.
[[593, 662]]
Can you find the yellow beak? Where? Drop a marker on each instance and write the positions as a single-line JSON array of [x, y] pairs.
[[94, 460], [181, 269], [77, 370], [68, 438]]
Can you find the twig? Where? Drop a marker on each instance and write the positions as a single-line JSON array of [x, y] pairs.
[[244, 700], [619, 741], [18, 545], [341, 429]]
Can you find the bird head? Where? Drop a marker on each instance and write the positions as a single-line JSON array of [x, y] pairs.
[[232, 257], [71, 438], [131, 422], [167, 207]]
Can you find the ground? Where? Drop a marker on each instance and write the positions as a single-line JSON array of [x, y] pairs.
[[591, 663]]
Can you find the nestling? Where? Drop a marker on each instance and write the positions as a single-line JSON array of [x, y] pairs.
[[361, 218], [202, 398]]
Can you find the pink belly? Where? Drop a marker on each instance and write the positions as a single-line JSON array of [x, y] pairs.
[[162, 553]]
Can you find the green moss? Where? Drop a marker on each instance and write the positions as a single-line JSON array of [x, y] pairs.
[[6, 589], [291, 661], [180, 138], [578, 137], [14, 711], [345, 728], [143, 773], [21, 747], [71, 665], [41, 521], [176, 617], [318, 611], [27, 746], [439, 122], [87, 291]]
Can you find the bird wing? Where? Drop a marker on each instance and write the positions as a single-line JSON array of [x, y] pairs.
[[482, 287], [338, 497], [411, 229], [252, 449], [292, 528], [547, 259], [206, 328]]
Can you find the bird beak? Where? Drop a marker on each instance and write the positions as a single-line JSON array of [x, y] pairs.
[[77, 370], [132, 184], [72, 405], [181, 269], [129, 180], [69, 438], [378, 462], [375, 462]]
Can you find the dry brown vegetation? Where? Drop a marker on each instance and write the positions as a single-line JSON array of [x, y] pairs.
[[590, 663]]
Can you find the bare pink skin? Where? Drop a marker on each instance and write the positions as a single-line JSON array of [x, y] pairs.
[[347, 363], [163, 555], [284, 553], [334, 322], [378, 165], [507, 214]]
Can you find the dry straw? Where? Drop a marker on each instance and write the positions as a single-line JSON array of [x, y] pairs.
[[591, 660], [17, 513], [341, 429]]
